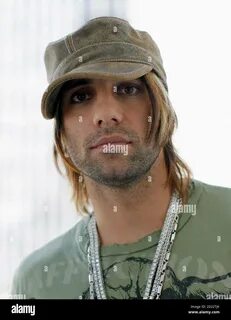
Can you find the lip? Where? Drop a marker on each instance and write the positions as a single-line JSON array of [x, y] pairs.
[[112, 139]]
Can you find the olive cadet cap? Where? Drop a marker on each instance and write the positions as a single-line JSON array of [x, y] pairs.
[[104, 48]]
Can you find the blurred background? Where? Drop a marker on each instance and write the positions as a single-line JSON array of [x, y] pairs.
[[195, 43]]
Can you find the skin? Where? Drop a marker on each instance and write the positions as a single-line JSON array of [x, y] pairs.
[[129, 193]]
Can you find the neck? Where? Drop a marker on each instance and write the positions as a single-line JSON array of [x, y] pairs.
[[127, 215]]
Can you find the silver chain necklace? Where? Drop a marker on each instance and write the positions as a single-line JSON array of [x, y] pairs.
[[159, 264]]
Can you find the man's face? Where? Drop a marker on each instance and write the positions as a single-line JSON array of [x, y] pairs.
[[105, 128]]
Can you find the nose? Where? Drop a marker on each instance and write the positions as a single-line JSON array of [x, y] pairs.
[[107, 112]]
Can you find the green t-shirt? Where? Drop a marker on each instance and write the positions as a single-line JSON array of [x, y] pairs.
[[199, 265]]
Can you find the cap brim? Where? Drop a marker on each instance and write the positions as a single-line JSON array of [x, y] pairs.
[[101, 70]]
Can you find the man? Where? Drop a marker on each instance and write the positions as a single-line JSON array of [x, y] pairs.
[[150, 231]]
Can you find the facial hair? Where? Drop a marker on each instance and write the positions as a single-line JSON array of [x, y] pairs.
[[133, 167]]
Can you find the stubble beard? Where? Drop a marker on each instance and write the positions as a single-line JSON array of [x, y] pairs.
[[125, 174]]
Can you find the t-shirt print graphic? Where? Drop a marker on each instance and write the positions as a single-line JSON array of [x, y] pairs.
[[127, 280]]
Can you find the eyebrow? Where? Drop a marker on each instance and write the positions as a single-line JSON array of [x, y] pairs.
[[81, 82]]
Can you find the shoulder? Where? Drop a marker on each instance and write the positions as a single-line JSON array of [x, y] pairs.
[[54, 253], [211, 202], [212, 194]]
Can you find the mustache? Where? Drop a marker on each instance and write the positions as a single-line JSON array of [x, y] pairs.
[[93, 138]]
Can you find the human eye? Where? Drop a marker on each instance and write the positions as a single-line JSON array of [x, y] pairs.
[[128, 89], [80, 96]]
